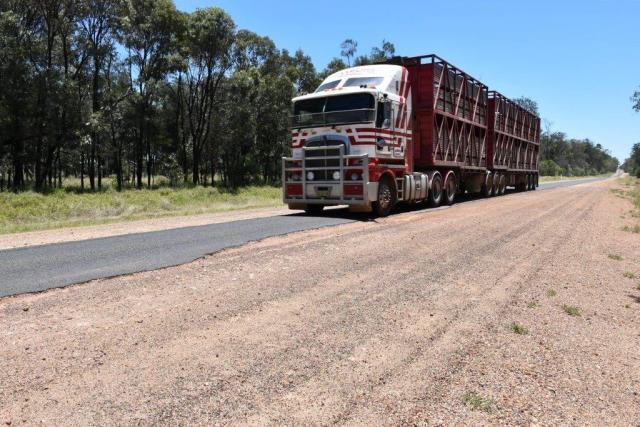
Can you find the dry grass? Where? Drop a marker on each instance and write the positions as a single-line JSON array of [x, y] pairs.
[[67, 207]]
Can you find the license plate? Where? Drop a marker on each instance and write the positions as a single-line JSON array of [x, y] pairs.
[[323, 191]]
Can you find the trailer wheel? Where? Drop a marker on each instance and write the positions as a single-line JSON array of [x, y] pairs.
[[435, 195], [386, 197], [450, 188], [496, 184], [314, 209], [529, 182], [487, 186], [534, 183], [502, 186]]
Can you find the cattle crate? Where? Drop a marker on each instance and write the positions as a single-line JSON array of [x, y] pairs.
[[450, 111], [513, 136]]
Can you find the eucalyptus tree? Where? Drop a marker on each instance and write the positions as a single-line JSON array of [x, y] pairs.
[[349, 47], [98, 22], [210, 38], [19, 43], [149, 30]]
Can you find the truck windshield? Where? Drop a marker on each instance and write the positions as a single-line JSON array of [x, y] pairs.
[[331, 110], [371, 82], [328, 85]]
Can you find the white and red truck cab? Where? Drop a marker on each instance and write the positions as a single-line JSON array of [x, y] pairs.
[[353, 139]]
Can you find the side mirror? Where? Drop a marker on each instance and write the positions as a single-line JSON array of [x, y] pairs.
[[387, 115]]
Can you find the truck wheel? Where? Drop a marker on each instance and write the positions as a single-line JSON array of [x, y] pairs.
[[529, 182], [386, 198], [435, 195], [502, 187], [450, 189], [487, 186], [535, 182], [313, 209], [496, 184]]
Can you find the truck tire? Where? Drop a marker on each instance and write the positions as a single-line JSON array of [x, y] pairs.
[[487, 186], [387, 197], [502, 187], [496, 184], [450, 189], [529, 182], [313, 209], [535, 181], [435, 195]]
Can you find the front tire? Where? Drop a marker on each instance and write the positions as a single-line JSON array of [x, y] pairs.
[[386, 198]]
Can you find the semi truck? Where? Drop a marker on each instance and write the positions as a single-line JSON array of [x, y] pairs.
[[411, 130]]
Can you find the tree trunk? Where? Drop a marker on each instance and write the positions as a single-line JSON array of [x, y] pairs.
[[149, 163], [82, 170], [196, 167], [18, 165], [99, 173]]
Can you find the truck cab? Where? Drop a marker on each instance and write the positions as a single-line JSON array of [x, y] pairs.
[[350, 141]]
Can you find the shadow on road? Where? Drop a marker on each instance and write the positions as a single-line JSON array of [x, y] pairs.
[[343, 212]]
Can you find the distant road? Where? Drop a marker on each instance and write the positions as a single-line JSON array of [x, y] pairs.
[[37, 268]]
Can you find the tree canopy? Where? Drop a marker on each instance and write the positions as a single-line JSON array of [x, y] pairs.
[[136, 89]]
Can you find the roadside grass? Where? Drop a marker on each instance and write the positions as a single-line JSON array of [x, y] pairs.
[[631, 191], [532, 304], [615, 257], [638, 286], [551, 293], [518, 329], [477, 402], [571, 310], [632, 229], [629, 275], [68, 207], [556, 178]]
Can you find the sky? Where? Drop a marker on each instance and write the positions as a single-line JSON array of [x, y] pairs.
[[579, 60]]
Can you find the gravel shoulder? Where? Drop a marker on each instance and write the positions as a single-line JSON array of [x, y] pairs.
[[408, 319]]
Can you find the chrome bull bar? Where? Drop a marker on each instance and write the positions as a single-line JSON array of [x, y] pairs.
[[323, 189]]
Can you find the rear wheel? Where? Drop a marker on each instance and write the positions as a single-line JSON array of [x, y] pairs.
[[386, 198], [496, 184], [435, 195], [502, 186], [529, 182], [313, 209], [487, 186], [534, 181], [450, 189]]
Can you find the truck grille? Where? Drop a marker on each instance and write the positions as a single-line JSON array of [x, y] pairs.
[[318, 159]]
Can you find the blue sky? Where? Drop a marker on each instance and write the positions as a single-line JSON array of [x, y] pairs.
[[580, 60]]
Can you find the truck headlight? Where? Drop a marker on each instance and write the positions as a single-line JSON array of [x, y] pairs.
[[336, 176], [310, 176]]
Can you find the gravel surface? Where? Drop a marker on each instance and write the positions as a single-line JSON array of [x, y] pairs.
[[410, 319]]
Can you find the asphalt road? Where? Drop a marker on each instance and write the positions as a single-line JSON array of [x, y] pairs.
[[34, 269]]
